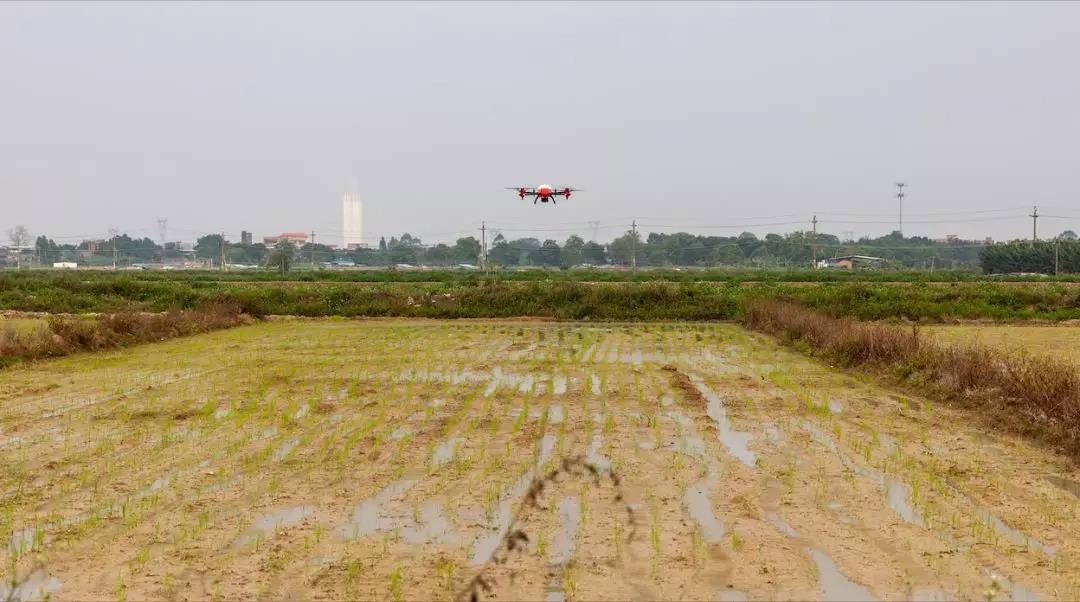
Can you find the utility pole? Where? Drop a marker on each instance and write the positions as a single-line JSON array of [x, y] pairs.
[[313, 249], [483, 247], [221, 263], [633, 241], [113, 232], [900, 197], [813, 245], [1034, 225], [1057, 241]]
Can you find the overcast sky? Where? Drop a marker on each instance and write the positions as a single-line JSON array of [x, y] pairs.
[[222, 117]]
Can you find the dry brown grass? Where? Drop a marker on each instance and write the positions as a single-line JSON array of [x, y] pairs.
[[1032, 394], [64, 335]]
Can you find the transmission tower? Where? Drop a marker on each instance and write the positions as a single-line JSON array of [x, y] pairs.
[[595, 225], [900, 197], [162, 230]]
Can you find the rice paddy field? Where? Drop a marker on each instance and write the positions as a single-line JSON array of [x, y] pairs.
[[395, 460], [1059, 341]]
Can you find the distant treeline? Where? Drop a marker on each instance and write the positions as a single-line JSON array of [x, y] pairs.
[[791, 250], [91, 292], [1043, 257]]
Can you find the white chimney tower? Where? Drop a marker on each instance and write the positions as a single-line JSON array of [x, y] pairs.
[[352, 216]]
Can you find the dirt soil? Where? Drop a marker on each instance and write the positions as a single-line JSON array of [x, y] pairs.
[[390, 459]]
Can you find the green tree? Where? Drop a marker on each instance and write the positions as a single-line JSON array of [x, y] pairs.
[[573, 251], [281, 258], [594, 253], [209, 246], [466, 250], [621, 250]]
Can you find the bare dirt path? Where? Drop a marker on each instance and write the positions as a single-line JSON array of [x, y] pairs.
[[387, 460]]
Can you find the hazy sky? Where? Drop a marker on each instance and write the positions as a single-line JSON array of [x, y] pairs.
[[692, 116]]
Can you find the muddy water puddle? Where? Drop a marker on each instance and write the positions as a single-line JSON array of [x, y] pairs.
[[266, 525], [445, 451], [1064, 484], [368, 517], [737, 443], [1012, 535], [37, 585], [502, 515], [834, 585], [700, 508]]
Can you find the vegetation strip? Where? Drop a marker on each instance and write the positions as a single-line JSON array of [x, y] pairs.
[[64, 335], [479, 298], [1038, 396]]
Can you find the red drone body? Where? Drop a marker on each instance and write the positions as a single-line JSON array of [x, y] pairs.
[[544, 192]]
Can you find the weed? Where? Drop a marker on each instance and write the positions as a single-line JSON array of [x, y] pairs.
[[395, 585]]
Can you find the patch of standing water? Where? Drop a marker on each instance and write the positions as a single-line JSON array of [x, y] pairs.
[[696, 498], [593, 456], [285, 449], [486, 544], [688, 442], [1016, 592], [433, 527], [444, 452], [38, 585], [595, 384], [835, 406], [547, 445], [400, 433], [221, 413], [267, 524], [897, 493], [564, 544], [565, 541], [780, 524], [493, 384], [368, 516], [1065, 484], [834, 584], [558, 386], [25, 540], [737, 443], [1014, 536], [303, 411], [555, 414]]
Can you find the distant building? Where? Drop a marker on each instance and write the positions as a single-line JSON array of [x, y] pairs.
[[65, 265], [245, 238], [950, 239], [183, 247], [352, 221], [297, 238], [850, 262]]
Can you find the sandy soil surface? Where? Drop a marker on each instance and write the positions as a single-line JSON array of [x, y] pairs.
[[389, 459], [1059, 341]]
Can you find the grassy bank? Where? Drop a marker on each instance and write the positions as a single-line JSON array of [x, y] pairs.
[[1037, 396], [473, 277], [73, 293], [64, 335]]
